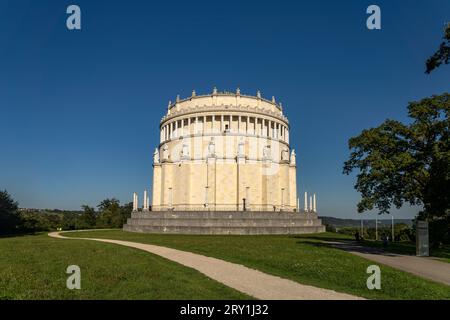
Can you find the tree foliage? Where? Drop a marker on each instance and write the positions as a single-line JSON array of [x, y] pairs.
[[88, 218], [406, 163], [442, 55], [9, 216], [110, 214]]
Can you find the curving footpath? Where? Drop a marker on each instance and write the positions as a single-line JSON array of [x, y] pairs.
[[252, 282], [425, 267]]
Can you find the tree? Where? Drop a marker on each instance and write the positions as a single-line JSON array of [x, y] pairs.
[[88, 218], [110, 214], [126, 212], [407, 163], [109, 204], [442, 55], [70, 220], [9, 215]]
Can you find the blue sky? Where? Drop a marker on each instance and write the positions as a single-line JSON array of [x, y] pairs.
[[80, 109]]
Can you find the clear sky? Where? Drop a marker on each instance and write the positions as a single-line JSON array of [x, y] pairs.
[[80, 109]]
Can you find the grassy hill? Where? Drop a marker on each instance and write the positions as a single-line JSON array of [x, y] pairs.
[[34, 267], [301, 258]]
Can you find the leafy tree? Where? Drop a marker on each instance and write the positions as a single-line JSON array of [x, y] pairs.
[[407, 163], [126, 212], [109, 204], [9, 216], [110, 214], [70, 221], [442, 55], [40, 221], [88, 218]]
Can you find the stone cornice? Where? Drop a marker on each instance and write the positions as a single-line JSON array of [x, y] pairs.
[[224, 94], [234, 159]]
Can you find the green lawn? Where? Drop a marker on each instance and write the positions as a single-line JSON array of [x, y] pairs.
[[300, 258], [33, 267]]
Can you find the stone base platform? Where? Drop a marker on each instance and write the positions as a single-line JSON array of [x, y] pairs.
[[224, 222]]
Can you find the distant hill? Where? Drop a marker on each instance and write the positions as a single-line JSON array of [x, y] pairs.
[[340, 223]]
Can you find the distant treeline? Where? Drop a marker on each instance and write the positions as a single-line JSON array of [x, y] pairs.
[[342, 223], [402, 232], [108, 214], [404, 229]]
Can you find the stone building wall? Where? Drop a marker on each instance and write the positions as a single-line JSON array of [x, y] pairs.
[[217, 150]]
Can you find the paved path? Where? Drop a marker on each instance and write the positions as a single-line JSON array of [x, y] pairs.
[[425, 267], [252, 282]]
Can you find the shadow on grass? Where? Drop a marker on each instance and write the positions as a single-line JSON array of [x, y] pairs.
[[349, 246], [15, 235], [324, 237]]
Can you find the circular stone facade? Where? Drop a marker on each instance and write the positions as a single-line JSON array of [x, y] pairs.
[[224, 152]]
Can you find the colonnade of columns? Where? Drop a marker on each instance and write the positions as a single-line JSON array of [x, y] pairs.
[[146, 202], [309, 206], [260, 126]]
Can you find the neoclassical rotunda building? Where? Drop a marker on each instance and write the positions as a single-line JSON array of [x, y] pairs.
[[224, 166], [224, 151]]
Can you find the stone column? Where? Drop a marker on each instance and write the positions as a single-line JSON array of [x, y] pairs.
[[157, 186], [310, 204], [146, 204], [314, 203], [206, 196], [248, 123], [306, 201], [211, 180], [240, 188], [135, 201], [204, 125]]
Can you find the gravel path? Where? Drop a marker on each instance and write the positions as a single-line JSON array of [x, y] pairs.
[[252, 282], [424, 267]]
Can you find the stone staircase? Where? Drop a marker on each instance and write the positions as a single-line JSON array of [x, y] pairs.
[[223, 222]]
